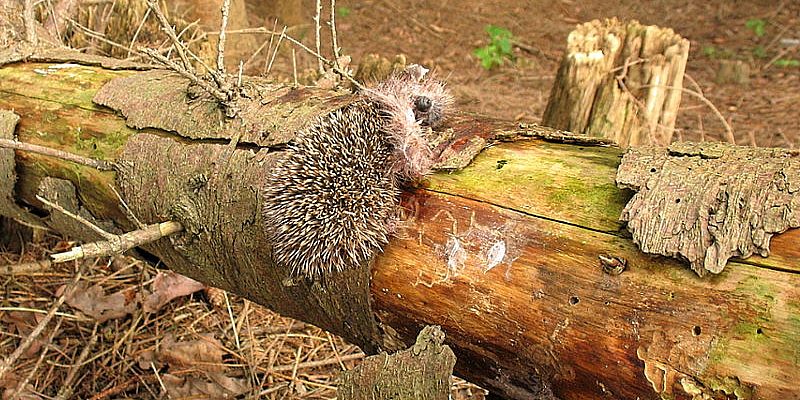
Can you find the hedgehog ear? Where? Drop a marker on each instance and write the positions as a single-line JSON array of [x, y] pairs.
[[416, 72]]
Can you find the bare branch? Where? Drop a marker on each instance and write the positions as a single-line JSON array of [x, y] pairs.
[[226, 9], [119, 243], [100, 231], [334, 39], [317, 36], [218, 94], [170, 31], [47, 151]]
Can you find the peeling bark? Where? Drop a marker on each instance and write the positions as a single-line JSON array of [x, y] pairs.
[[709, 202]]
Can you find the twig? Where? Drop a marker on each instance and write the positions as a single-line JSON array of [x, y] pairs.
[[226, 7], [233, 321], [170, 31], [66, 385], [334, 39], [219, 95], [317, 36], [776, 58], [315, 364], [275, 53], [138, 30], [158, 377], [25, 268], [728, 130], [294, 66], [239, 75], [51, 152], [119, 243], [84, 221], [99, 36], [35, 368], [267, 44], [136, 221], [23, 346]]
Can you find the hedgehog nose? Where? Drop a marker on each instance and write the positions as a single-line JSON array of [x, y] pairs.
[[422, 103]]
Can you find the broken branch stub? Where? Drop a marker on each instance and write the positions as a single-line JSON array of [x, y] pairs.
[[620, 81], [709, 202]]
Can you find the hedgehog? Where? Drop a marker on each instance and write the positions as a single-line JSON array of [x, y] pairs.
[[331, 200]]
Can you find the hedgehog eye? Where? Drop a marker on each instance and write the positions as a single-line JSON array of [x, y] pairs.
[[422, 103]]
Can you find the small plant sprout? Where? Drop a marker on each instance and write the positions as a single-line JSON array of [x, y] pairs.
[[498, 50]]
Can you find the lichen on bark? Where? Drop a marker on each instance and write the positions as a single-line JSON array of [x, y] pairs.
[[709, 202]]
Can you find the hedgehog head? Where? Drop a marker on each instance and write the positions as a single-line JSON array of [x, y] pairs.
[[413, 103]]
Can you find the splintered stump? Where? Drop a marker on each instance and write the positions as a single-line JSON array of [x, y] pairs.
[[621, 81], [519, 256]]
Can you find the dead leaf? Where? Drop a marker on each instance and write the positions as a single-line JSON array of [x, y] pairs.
[[147, 357], [167, 286], [93, 302], [196, 387], [26, 393], [203, 354], [24, 323]]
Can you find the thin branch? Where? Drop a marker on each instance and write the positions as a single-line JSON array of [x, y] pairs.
[[119, 243], [334, 39], [294, 66], [31, 267], [275, 53], [136, 221], [26, 343], [214, 91], [45, 349], [139, 29], [226, 9], [66, 385], [170, 31], [84, 221], [728, 130], [99, 36], [317, 36], [51, 152]]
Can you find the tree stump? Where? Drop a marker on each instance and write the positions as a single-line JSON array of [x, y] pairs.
[[621, 81]]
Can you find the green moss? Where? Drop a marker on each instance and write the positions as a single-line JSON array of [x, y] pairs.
[[730, 386], [571, 183]]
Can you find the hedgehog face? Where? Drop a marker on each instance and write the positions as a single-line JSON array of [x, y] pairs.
[[410, 102]]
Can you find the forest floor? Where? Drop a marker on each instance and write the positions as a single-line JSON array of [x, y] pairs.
[[209, 342], [764, 35]]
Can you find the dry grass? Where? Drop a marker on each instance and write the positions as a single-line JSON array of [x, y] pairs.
[[202, 344]]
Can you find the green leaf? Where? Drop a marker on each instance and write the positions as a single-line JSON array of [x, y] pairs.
[[787, 63], [343, 11], [760, 52], [758, 26]]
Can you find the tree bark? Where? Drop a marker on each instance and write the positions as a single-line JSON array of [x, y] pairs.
[[504, 255]]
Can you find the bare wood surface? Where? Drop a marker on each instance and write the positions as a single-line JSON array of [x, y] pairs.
[[504, 255], [621, 81]]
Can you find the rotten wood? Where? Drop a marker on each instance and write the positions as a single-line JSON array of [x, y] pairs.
[[506, 255], [621, 81]]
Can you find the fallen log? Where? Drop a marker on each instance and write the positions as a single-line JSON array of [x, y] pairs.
[[513, 256]]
